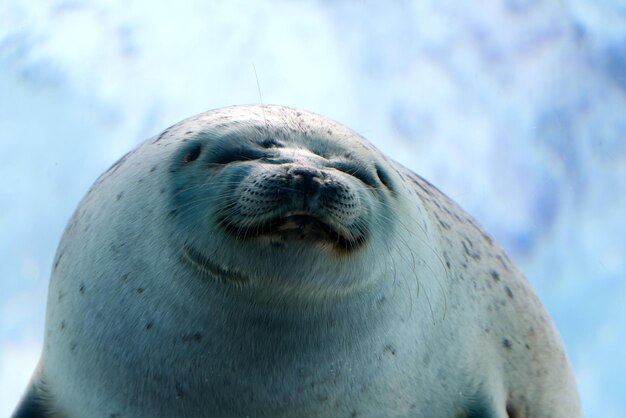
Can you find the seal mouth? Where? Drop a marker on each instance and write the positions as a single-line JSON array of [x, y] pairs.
[[298, 226], [289, 226]]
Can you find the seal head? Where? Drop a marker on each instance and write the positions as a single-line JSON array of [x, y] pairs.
[[244, 195]]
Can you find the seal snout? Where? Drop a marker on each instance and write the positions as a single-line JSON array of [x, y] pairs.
[[297, 201]]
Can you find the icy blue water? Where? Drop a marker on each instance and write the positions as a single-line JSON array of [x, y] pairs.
[[515, 108]]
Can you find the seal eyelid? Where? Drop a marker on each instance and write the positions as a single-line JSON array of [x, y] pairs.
[[384, 178], [239, 154], [358, 171], [193, 152], [270, 143]]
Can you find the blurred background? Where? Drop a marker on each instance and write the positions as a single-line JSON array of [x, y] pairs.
[[514, 108]]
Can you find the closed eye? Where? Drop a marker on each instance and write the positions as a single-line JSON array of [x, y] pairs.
[[384, 177], [270, 143], [237, 154], [356, 170], [192, 153]]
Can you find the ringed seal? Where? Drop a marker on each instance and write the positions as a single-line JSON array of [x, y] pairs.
[[264, 261]]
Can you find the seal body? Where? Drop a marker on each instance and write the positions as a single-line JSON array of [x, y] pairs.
[[264, 261]]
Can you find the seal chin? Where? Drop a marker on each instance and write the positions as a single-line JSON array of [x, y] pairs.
[[306, 227], [204, 265], [299, 225]]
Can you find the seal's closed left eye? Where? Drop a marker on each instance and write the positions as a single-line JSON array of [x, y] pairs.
[[238, 154], [192, 153]]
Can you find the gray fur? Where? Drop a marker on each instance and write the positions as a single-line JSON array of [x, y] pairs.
[[155, 309]]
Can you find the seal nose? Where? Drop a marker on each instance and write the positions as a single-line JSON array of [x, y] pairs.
[[307, 173], [306, 180]]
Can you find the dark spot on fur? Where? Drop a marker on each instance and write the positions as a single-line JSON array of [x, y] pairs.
[[445, 257], [162, 191], [506, 343], [192, 337], [148, 326], [390, 349], [417, 180], [81, 289], [354, 414], [153, 169], [468, 247], [509, 292], [504, 261], [56, 263], [527, 346], [495, 275], [113, 168], [511, 411], [179, 391], [114, 416], [140, 290], [73, 345], [118, 248], [62, 325], [487, 238], [119, 195], [165, 132], [124, 278]]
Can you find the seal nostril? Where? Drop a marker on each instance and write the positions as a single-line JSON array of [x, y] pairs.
[[306, 180], [307, 173], [192, 153]]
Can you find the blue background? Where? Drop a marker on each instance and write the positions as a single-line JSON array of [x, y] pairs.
[[515, 108]]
